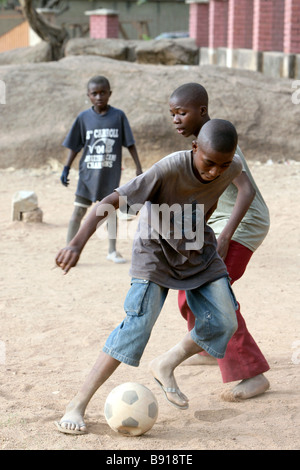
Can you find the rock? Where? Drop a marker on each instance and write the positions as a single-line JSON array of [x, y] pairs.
[[23, 55], [43, 100], [34, 216], [113, 48], [23, 201], [168, 52], [164, 51]]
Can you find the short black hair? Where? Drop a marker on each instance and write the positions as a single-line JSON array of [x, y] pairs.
[[219, 134], [191, 92], [98, 80]]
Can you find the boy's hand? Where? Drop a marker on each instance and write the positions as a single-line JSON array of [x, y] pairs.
[[64, 176], [67, 258], [222, 246]]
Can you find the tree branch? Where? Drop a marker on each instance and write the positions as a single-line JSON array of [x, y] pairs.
[[54, 35]]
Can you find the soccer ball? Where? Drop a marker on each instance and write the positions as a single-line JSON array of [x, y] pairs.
[[131, 409]]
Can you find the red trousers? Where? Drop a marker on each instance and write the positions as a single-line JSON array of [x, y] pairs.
[[243, 358]]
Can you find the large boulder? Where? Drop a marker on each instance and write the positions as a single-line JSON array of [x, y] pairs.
[[42, 101], [23, 55], [113, 48], [168, 52], [163, 51]]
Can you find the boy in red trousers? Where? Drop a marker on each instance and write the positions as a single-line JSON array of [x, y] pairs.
[[240, 222]]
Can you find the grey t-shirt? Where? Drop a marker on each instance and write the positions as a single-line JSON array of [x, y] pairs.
[[101, 137], [173, 246]]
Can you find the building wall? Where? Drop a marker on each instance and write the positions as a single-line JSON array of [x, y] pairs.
[[161, 16], [261, 25], [259, 35], [15, 38]]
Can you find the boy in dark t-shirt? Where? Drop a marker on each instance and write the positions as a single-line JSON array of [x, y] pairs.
[[100, 132]]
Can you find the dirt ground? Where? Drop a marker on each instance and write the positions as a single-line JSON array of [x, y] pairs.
[[52, 327]]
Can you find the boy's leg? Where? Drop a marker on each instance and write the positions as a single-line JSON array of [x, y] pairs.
[[202, 358], [126, 343], [243, 359], [73, 419], [112, 227], [162, 369], [214, 308], [81, 205]]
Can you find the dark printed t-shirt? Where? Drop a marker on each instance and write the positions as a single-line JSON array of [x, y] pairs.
[[101, 138], [173, 245]]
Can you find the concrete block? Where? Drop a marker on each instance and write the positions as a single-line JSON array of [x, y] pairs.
[[279, 64], [221, 56], [207, 56], [289, 66], [23, 201], [247, 59], [273, 64], [34, 216], [297, 66]]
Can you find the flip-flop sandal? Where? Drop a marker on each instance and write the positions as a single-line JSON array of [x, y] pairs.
[[171, 390], [68, 431]]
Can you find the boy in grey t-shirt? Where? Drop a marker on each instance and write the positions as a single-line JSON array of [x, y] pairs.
[[100, 133], [179, 252]]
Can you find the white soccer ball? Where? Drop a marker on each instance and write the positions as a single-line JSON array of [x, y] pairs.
[[131, 409]]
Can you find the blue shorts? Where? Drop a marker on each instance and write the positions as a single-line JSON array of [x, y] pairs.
[[213, 305]]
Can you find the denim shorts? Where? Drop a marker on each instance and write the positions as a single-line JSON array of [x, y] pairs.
[[213, 305]]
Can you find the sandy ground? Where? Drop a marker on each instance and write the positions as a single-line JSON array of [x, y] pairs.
[[52, 327]]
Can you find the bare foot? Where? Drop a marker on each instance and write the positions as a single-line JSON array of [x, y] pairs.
[[72, 422], [200, 360], [164, 376], [247, 388]]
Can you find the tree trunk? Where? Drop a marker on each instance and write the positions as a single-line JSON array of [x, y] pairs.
[[54, 35]]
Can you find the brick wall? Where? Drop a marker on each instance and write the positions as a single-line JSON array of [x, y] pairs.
[[261, 25], [217, 27], [198, 23], [240, 24], [291, 39]]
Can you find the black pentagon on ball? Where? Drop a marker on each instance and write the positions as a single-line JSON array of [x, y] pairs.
[[130, 423], [108, 410], [130, 397], [152, 410]]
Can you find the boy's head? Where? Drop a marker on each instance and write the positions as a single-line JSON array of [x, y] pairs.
[[99, 92], [214, 149], [189, 108]]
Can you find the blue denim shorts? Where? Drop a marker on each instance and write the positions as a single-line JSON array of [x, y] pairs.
[[213, 305]]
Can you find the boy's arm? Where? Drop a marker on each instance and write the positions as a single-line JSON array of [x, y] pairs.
[[211, 211], [69, 256], [245, 196], [133, 152], [65, 173]]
